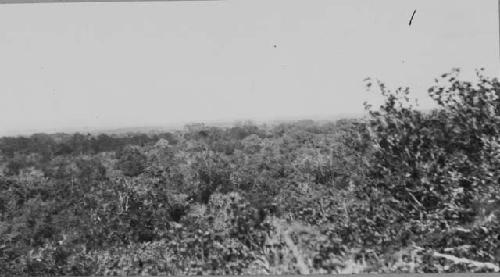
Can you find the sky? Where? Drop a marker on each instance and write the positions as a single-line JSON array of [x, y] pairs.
[[115, 65]]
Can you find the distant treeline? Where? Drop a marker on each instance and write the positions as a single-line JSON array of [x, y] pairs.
[[48, 146]]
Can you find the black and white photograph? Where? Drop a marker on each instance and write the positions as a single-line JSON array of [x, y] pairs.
[[249, 137]]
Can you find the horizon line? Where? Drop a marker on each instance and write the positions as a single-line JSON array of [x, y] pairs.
[[172, 125]]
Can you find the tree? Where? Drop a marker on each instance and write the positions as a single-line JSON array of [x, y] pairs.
[[431, 167], [131, 161]]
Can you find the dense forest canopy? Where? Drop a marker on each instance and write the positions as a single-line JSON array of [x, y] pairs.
[[398, 191]]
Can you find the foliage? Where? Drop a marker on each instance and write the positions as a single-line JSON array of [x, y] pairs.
[[399, 191]]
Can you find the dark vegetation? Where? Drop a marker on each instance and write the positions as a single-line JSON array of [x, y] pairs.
[[399, 191]]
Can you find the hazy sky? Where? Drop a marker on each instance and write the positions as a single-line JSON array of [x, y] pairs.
[[102, 65]]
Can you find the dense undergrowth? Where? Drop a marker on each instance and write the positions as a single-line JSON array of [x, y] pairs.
[[398, 191]]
